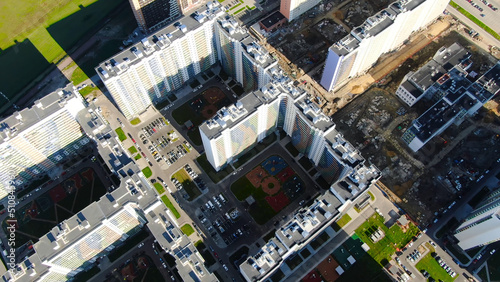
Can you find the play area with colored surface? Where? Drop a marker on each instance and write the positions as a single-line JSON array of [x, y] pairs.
[[64, 200], [201, 107], [273, 185]]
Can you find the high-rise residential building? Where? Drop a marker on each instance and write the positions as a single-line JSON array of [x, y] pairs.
[[161, 63], [154, 14], [292, 9], [235, 129], [187, 5], [241, 57], [458, 98], [35, 140], [379, 34], [482, 226]]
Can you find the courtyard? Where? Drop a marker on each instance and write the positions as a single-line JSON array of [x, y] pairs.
[[268, 188], [200, 108], [57, 204]]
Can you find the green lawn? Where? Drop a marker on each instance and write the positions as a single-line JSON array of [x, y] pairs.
[[137, 157], [187, 184], [341, 222], [159, 188], [39, 33], [475, 20], [78, 76], [365, 269], [135, 121], [132, 150], [261, 211], [87, 90], [147, 172], [170, 206], [394, 238], [242, 188], [429, 264], [215, 176], [187, 229], [121, 134]]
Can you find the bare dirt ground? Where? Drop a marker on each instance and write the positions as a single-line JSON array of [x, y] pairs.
[[425, 181]]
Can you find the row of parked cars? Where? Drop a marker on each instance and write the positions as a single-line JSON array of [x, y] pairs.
[[445, 266]]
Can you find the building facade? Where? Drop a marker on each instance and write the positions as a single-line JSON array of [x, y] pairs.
[[163, 62], [292, 9], [148, 71], [235, 129], [379, 34], [241, 57], [35, 140], [154, 14], [482, 226]]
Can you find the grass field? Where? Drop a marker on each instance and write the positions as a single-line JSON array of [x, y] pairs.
[[493, 268], [132, 150], [170, 206], [121, 134], [37, 33], [78, 76], [159, 188], [135, 121], [394, 238], [187, 229], [341, 222], [429, 264], [242, 188], [147, 172], [365, 269]]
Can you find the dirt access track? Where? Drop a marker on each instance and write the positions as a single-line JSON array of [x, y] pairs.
[[423, 182]]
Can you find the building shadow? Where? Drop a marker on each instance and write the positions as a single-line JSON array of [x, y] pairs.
[[79, 30], [22, 63]]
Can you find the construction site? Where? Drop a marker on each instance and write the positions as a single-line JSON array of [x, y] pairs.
[[373, 119], [424, 182]]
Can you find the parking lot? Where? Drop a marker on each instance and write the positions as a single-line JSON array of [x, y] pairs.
[[163, 143], [221, 220]]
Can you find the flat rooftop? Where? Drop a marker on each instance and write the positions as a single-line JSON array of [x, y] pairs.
[[272, 19], [159, 40], [42, 108]]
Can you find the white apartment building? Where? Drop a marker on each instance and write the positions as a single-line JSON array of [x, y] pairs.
[[241, 56], [161, 63], [292, 9], [482, 226], [34, 140], [379, 34]]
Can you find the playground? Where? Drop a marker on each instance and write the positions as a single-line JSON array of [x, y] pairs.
[[67, 198], [273, 184], [201, 107]]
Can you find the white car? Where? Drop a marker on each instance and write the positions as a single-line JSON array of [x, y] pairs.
[[140, 245], [225, 267], [492, 251]]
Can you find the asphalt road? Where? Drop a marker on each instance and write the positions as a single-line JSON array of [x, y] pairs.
[[490, 17]]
